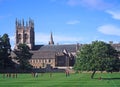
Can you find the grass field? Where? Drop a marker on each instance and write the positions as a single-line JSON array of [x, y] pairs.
[[60, 80]]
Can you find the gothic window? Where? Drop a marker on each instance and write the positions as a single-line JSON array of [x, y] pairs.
[[19, 38], [49, 60], [45, 61], [26, 38]]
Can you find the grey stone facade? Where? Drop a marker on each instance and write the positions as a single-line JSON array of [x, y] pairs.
[[43, 55]]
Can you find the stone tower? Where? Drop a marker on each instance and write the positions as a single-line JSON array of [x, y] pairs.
[[51, 42], [24, 33]]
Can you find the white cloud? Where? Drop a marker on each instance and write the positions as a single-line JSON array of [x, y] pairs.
[[12, 38], [74, 2], [115, 14], [67, 39], [73, 22], [109, 30], [12, 41], [44, 38], [95, 4], [41, 37]]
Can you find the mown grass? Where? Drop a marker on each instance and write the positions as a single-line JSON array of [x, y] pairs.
[[60, 80]]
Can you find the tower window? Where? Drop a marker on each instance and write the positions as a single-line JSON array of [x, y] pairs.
[[19, 38], [26, 38], [49, 60]]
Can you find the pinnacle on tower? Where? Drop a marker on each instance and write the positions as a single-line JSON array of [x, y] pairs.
[[51, 42], [24, 33], [22, 22], [16, 22]]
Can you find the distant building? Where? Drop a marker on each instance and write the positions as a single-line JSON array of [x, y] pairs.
[[47, 55], [44, 55], [25, 33]]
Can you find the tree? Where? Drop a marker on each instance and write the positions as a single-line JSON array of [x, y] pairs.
[[1, 54], [23, 56], [5, 51], [98, 56]]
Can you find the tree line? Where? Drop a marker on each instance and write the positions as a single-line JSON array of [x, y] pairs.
[[5, 51], [22, 55], [97, 56]]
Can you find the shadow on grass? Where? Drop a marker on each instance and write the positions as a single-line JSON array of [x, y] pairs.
[[107, 78]]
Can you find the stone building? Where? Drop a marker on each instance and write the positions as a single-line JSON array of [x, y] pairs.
[[56, 56], [44, 55], [25, 33]]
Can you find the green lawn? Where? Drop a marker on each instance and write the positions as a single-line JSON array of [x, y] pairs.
[[60, 80]]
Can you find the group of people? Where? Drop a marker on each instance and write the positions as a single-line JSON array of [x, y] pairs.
[[9, 75], [34, 74]]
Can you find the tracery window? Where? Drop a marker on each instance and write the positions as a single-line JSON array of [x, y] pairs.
[[19, 38], [26, 38]]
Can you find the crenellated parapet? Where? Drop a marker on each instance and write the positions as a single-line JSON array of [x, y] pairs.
[[22, 24], [24, 32]]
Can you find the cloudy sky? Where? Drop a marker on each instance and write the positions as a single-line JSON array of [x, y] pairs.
[[70, 21]]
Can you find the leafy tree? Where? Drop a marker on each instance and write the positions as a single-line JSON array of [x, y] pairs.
[[5, 51], [23, 56], [98, 56], [1, 54]]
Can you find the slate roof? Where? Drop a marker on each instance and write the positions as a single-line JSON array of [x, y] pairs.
[[43, 54], [58, 48], [49, 51]]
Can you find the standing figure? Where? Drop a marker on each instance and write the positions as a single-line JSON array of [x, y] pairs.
[[67, 72]]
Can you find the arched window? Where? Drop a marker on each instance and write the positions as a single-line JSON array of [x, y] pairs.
[[19, 38], [26, 38], [49, 60]]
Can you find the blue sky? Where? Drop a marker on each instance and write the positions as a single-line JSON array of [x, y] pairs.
[[71, 21]]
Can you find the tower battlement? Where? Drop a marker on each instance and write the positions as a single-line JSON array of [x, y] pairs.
[[21, 24], [24, 33]]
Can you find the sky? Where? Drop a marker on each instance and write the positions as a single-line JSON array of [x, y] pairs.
[[70, 21]]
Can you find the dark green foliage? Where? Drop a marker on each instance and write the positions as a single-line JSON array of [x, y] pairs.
[[1, 53], [5, 51], [23, 56], [98, 56]]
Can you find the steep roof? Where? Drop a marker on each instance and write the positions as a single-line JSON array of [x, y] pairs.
[[58, 48], [50, 51], [43, 54]]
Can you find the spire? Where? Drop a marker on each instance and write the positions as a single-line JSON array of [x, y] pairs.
[[22, 22], [51, 42], [16, 22]]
